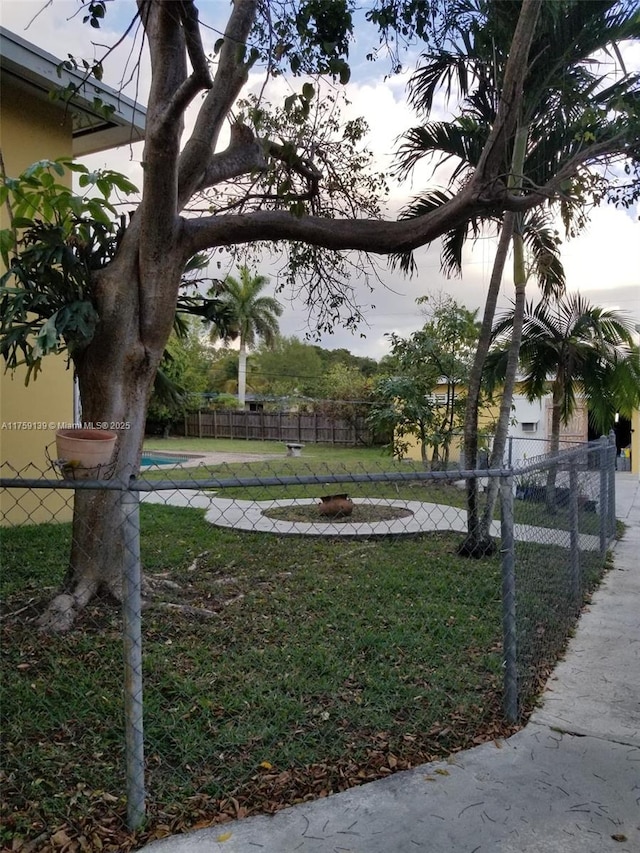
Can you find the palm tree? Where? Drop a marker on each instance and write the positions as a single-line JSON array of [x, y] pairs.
[[252, 317], [564, 99], [578, 351]]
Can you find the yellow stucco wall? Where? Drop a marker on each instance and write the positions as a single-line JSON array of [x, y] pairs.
[[32, 130], [487, 419]]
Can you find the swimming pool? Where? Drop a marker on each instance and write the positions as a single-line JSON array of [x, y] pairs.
[[149, 459]]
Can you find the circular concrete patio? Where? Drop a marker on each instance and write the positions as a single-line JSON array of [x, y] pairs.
[[250, 515], [426, 518]]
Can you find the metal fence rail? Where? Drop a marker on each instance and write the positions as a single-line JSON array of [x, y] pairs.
[[260, 608]]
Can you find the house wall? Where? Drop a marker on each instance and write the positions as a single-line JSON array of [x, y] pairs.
[[32, 130], [527, 443]]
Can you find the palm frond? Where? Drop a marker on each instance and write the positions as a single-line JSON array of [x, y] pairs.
[[405, 262], [165, 390], [453, 72], [453, 243], [580, 349], [543, 246], [426, 203], [459, 140]]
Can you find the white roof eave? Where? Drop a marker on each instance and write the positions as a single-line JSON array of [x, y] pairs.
[[29, 67]]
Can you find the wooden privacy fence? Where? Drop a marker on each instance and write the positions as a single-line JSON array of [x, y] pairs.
[[279, 426]]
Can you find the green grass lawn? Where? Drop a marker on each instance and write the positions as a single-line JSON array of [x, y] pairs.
[[359, 454], [324, 664], [276, 669], [317, 460]]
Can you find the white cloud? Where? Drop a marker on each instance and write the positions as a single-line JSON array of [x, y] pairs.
[[604, 262]]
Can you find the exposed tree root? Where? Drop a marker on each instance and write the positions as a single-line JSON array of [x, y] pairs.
[[20, 610], [64, 609], [187, 609], [162, 581], [197, 563], [477, 548], [62, 612]]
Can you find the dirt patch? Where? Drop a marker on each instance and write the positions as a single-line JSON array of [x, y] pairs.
[[362, 514]]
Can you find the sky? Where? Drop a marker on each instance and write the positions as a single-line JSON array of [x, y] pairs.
[[603, 263]]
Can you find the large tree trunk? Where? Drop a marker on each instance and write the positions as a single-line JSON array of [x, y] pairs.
[[115, 375], [554, 446], [135, 296], [473, 545], [242, 376], [513, 358]]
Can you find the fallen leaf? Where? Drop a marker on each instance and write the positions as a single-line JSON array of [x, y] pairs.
[[225, 836], [266, 765], [442, 772], [619, 837], [201, 824]]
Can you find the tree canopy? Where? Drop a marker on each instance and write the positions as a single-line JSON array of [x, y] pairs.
[[252, 317], [574, 349], [422, 399]]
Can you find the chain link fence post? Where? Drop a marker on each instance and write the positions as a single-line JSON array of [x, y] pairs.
[[509, 642], [132, 637], [603, 463], [574, 533], [612, 484]]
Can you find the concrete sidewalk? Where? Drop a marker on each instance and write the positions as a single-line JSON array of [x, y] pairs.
[[567, 783]]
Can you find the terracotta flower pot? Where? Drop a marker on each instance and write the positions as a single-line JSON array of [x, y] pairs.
[[83, 451], [335, 506]]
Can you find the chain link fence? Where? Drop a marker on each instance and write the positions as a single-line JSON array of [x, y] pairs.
[[291, 625], [519, 450]]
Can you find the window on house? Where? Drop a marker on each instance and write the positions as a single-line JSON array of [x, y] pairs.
[[529, 426]]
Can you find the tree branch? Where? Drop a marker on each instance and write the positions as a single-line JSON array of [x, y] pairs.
[[155, 223], [376, 236], [230, 76], [244, 154], [195, 49], [158, 209], [495, 151], [587, 156], [301, 165], [200, 78]]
